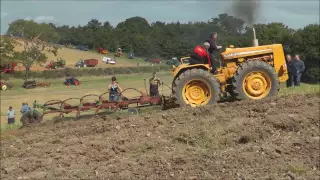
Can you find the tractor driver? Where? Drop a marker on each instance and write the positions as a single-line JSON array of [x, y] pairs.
[[213, 46], [212, 41], [154, 85], [200, 54]]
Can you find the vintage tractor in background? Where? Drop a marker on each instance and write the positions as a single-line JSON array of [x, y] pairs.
[[56, 64], [245, 73], [72, 81], [118, 52], [30, 84], [102, 51]]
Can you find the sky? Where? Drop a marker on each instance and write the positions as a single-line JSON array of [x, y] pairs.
[[294, 13]]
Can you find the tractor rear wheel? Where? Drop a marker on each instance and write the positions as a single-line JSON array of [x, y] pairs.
[[255, 80], [196, 87]]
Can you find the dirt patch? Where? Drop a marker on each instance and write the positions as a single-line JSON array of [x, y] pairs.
[[269, 139]]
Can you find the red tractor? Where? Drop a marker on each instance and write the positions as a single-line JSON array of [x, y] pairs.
[[8, 68], [102, 51]]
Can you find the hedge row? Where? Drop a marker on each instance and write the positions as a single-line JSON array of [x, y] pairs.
[[61, 73]]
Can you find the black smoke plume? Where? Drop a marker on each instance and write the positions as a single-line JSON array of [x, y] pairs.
[[247, 10]]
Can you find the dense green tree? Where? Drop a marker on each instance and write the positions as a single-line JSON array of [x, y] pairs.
[[6, 49]]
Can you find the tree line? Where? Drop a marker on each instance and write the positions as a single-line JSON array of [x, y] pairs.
[[178, 39], [167, 40]]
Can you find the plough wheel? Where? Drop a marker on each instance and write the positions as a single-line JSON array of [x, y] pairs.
[[133, 111], [30, 117]]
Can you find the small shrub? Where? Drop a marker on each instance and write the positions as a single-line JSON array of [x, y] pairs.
[[312, 75]]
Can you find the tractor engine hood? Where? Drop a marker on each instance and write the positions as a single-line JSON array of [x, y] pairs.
[[231, 53]]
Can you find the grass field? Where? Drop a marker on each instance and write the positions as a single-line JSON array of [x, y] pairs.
[[72, 56], [95, 85], [58, 91]]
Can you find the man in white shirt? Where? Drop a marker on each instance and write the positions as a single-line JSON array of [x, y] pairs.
[[11, 115]]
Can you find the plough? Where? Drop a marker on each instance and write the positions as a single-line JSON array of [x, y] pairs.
[[63, 107]]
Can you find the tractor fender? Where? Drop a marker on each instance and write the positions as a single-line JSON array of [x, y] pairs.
[[183, 67]]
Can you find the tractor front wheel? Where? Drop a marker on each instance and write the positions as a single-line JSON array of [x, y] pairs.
[[255, 80], [196, 87]]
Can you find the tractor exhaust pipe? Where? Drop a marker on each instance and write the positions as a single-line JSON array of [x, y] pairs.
[[255, 41]]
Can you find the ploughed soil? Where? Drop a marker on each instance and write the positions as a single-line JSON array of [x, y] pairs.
[[270, 139]]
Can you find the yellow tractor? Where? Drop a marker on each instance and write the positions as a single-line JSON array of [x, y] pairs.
[[245, 73]]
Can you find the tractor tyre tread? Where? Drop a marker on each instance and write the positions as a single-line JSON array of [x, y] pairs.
[[249, 66], [188, 75]]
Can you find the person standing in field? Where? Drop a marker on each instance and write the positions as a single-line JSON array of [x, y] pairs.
[[11, 115], [289, 67], [154, 85], [298, 68], [114, 90]]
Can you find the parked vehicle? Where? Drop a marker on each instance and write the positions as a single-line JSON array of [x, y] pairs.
[[102, 51], [153, 60], [108, 60], [131, 55], [87, 63], [174, 61], [8, 68], [71, 81], [29, 84], [82, 48]]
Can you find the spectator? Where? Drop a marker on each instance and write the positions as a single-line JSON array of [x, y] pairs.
[[114, 90], [288, 61], [297, 68], [154, 85], [11, 115], [24, 108]]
